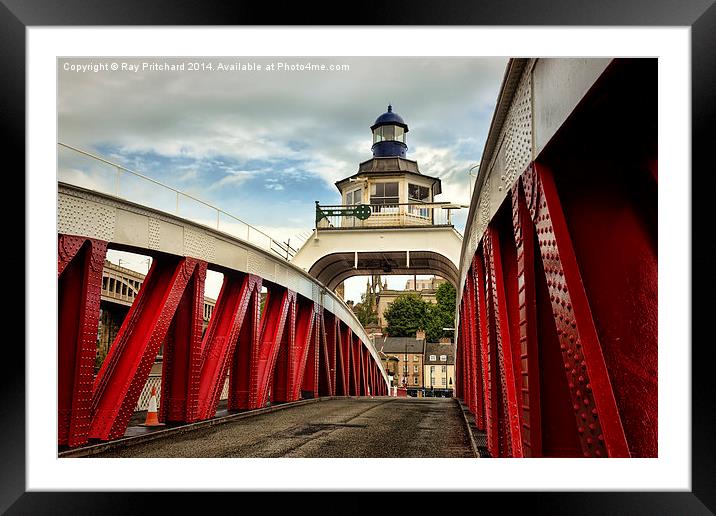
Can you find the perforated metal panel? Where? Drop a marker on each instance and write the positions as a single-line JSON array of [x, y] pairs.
[[198, 244], [517, 144], [511, 156], [77, 216], [154, 233], [291, 280]]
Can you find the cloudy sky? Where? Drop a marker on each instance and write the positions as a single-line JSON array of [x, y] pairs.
[[265, 144]]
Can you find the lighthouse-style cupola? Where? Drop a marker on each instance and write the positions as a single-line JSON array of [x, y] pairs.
[[389, 135]]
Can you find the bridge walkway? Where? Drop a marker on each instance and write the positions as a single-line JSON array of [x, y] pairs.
[[344, 427]]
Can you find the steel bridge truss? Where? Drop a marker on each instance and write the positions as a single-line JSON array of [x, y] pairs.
[[533, 347], [290, 349]]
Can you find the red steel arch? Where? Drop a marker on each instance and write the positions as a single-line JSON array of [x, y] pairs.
[[292, 349]]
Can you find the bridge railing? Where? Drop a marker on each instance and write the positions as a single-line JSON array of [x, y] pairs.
[[81, 168], [387, 215]]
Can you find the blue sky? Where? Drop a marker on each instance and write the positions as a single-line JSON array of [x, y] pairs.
[[264, 147]]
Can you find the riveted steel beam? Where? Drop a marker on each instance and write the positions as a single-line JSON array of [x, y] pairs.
[[79, 271], [126, 368], [181, 364]]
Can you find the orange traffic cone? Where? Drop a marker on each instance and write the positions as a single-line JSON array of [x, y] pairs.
[[152, 419]]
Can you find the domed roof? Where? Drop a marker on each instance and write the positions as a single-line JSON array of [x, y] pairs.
[[390, 118]]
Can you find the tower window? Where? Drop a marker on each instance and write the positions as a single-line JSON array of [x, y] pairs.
[[389, 132], [384, 193], [354, 197], [418, 193]]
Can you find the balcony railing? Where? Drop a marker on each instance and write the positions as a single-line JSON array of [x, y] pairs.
[[340, 216]]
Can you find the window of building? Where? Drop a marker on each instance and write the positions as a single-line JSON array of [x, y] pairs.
[[382, 194], [444, 368], [444, 381], [443, 358], [405, 369], [432, 368], [415, 380], [415, 369], [354, 196], [418, 193], [399, 134], [432, 358], [389, 132], [415, 358]]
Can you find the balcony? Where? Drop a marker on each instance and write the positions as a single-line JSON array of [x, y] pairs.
[[399, 215]]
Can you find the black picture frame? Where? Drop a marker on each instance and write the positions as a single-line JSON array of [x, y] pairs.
[[700, 15]]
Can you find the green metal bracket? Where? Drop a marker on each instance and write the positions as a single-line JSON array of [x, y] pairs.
[[359, 211]]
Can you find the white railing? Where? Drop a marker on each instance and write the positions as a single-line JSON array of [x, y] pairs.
[[155, 381], [389, 215], [84, 169]]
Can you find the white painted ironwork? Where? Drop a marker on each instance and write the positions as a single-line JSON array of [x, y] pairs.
[[156, 382]]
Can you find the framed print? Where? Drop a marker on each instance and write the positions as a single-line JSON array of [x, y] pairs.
[[215, 215]]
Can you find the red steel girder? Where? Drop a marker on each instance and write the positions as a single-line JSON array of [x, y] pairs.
[[327, 354], [459, 358], [355, 365], [524, 232], [306, 334], [181, 362], [510, 437], [278, 334], [243, 371], [126, 367], [346, 342], [488, 355], [341, 373], [79, 269], [464, 334], [286, 383], [595, 410], [233, 321], [474, 337], [310, 374], [363, 357]]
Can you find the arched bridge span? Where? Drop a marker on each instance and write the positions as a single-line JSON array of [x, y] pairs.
[[303, 341]]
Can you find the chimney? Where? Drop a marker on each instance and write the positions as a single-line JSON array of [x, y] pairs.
[[420, 335], [445, 340]]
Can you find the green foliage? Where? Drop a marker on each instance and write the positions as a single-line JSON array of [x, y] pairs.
[[409, 313], [446, 297], [364, 310], [443, 313], [406, 315]]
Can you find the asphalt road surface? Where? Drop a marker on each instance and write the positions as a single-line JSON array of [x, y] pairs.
[[359, 427]]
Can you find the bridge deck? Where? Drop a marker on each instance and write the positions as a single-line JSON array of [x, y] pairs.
[[358, 427]]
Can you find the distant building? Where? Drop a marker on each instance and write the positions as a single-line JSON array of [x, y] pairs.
[[439, 373], [425, 284], [391, 366], [406, 354], [426, 290]]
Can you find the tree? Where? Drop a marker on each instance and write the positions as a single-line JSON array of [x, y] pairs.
[[364, 310], [442, 314], [406, 315], [410, 313]]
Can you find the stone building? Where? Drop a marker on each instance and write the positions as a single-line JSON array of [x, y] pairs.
[[409, 353], [439, 369]]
